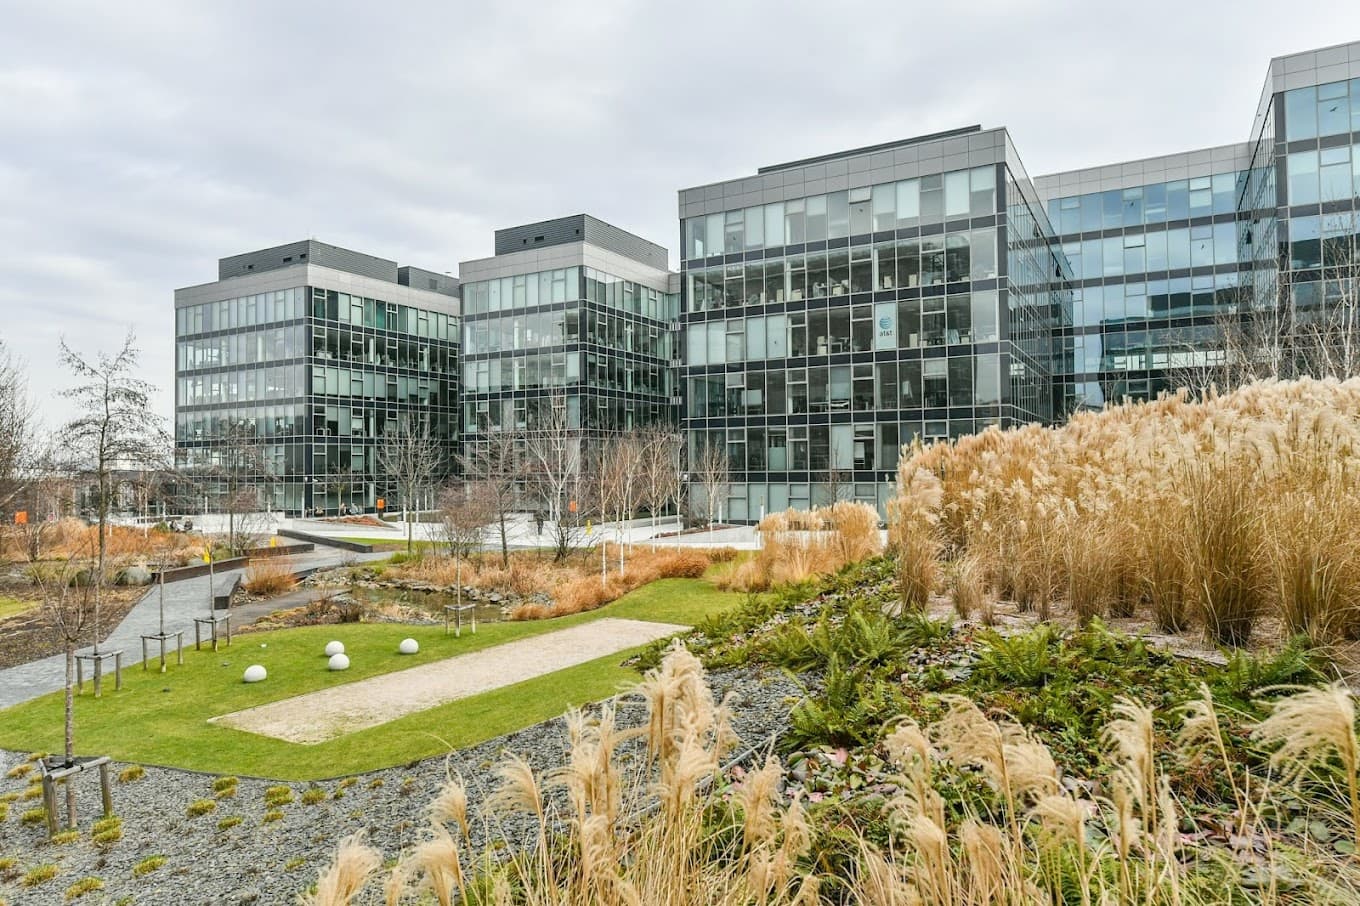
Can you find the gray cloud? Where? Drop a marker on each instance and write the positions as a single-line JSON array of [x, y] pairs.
[[139, 142]]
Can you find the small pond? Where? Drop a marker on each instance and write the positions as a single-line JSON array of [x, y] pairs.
[[431, 602]]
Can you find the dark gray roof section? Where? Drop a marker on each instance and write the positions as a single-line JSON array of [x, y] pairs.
[[581, 228], [869, 149], [419, 278], [308, 251]]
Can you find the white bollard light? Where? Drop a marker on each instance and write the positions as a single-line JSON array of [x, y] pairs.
[[338, 662], [254, 674], [408, 646], [334, 648]]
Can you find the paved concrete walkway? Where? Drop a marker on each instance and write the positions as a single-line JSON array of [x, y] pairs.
[[329, 713], [184, 600]]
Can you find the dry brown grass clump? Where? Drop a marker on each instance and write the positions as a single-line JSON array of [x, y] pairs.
[[524, 575], [585, 590], [269, 576], [1210, 513], [797, 545], [72, 538]]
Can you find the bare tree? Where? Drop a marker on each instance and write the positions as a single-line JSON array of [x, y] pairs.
[[554, 472], [45, 500], [69, 609], [466, 508], [711, 474], [242, 476], [114, 428], [411, 457], [1276, 331], [17, 429], [495, 460], [620, 467], [662, 448]]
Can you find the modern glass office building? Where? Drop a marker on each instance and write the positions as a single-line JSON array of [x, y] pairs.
[[838, 307], [827, 310], [309, 353], [573, 311], [1168, 253]]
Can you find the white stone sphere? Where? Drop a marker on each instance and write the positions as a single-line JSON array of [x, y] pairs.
[[254, 674], [334, 648], [338, 662], [408, 646]]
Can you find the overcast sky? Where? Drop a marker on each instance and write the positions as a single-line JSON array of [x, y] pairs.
[[142, 140]]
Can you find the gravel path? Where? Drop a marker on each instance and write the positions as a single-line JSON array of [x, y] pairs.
[[268, 863], [330, 713]]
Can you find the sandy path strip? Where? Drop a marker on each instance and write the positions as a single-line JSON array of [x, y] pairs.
[[330, 713]]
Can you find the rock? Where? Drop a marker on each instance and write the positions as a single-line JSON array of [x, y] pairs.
[[334, 648], [338, 661], [254, 674], [408, 646]]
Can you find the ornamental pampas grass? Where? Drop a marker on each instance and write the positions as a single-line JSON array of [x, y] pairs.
[[342, 880], [1310, 727], [914, 518]]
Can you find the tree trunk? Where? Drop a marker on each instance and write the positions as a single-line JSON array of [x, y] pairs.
[[505, 544], [70, 729], [103, 547]]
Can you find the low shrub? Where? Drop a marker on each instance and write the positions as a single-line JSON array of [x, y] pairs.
[[33, 816], [313, 795], [19, 770], [271, 816], [229, 822], [65, 837]]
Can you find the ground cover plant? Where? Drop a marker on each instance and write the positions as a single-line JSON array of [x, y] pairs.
[[162, 718]]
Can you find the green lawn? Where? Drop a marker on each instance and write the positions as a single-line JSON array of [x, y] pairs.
[[12, 607], [162, 718]]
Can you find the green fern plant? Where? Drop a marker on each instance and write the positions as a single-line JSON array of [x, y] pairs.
[[1026, 659]]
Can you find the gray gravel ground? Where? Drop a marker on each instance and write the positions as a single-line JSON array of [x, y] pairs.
[[261, 863]]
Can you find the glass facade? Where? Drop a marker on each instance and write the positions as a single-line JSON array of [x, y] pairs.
[[1154, 267], [828, 311], [821, 333], [313, 377], [1164, 267], [600, 343], [1317, 202]]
